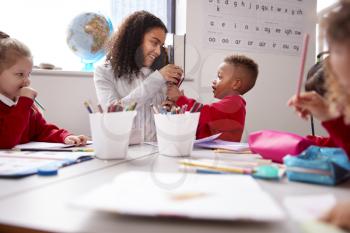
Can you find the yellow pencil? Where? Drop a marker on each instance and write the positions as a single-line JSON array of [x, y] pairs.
[[245, 151], [218, 168]]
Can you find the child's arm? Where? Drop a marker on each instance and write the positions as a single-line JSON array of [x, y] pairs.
[[311, 103], [173, 93], [13, 125], [339, 133], [226, 116], [45, 132]]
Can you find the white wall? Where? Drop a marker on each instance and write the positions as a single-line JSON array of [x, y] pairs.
[[63, 94], [278, 74]]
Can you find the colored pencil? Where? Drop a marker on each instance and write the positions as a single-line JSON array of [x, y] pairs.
[[39, 104], [302, 63]]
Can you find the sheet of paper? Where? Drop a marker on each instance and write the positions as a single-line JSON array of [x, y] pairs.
[[220, 144], [308, 207], [14, 163], [207, 139], [44, 145], [41, 145], [319, 227], [184, 195]]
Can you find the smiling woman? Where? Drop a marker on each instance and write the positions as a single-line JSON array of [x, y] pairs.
[[136, 71]]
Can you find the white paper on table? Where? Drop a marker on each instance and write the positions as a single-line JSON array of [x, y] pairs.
[[45, 145], [207, 139], [19, 163], [236, 197], [309, 207], [221, 144]]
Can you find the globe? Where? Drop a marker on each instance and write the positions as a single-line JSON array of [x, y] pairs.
[[87, 34]]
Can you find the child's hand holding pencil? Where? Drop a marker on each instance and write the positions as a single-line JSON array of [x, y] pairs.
[[173, 93]]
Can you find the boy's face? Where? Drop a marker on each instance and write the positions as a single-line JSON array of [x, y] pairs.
[[223, 85], [151, 45], [15, 77], [340, 62]]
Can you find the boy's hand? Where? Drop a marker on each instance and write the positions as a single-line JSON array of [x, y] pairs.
[[79, 140], [171, 73], [28, 92], [168, 105], [115, 106], [173, 93]]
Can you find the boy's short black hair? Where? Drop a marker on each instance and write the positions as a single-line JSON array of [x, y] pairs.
[[249, 65]]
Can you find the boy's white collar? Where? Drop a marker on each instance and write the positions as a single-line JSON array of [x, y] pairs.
[[9, 102]]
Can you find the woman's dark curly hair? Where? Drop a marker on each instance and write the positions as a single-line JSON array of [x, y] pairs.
[[124, 48]]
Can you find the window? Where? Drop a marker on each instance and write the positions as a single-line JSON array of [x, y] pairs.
[[42, 24]]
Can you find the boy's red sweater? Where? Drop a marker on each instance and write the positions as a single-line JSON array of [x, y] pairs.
[[226, 116], [339, 133]]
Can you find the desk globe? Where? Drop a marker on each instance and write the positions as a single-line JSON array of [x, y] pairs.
[[87, 34]]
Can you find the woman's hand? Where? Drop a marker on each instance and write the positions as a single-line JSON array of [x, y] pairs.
[[173, 93], [167, 104], [171, 73], [311, 103]]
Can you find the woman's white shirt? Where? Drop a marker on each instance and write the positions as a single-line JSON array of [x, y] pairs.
[[147, 88]]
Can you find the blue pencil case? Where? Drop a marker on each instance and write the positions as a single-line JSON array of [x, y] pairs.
[[320, 165]]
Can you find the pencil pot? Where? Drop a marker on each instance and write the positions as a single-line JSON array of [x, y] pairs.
[[176, 133], [110, 133]]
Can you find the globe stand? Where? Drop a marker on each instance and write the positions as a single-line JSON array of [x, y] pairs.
[[88, 67]]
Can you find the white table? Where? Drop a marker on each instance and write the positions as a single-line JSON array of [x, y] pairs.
[[41, 204]]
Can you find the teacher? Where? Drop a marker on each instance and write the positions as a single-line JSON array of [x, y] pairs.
[[135, 70]]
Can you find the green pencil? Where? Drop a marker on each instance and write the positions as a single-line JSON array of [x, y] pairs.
[[40, 106]]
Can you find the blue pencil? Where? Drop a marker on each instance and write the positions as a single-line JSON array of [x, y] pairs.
[[208, 171]]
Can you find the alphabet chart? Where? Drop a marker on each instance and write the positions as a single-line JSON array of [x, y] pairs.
[[269, 26]]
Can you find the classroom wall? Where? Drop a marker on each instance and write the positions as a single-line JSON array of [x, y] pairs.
[[278, 73], [62, 94]]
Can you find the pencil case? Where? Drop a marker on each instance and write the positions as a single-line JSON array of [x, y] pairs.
[[319, 165], [274, 145]]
